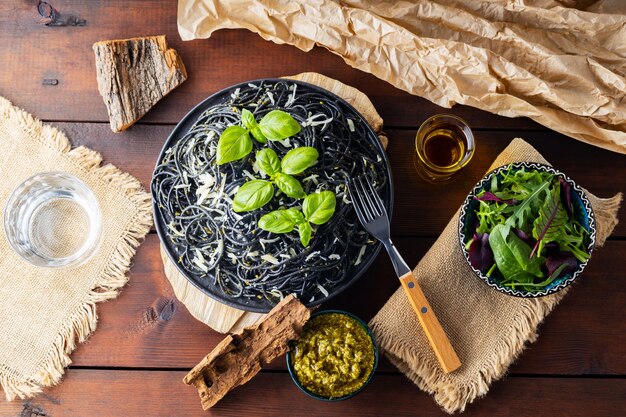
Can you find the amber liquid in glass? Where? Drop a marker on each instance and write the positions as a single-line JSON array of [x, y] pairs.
[[445, 146]]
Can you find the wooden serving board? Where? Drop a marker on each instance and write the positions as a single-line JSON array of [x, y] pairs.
[[211, 312]]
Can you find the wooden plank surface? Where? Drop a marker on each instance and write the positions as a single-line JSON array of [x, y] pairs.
[[162, 394], [64, 54], [137, 149], [146, 340], [582, 335]]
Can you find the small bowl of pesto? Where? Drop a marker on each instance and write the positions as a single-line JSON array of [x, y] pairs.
[[335, 357]]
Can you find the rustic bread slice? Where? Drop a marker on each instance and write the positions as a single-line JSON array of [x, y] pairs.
[[134, 74]]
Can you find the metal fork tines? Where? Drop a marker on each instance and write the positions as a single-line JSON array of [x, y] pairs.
[[373, 216]]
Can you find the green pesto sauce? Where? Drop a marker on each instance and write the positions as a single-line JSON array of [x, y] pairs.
[[334, 356]]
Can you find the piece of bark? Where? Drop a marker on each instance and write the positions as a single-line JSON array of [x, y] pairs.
[[134, 74], [239, 357]]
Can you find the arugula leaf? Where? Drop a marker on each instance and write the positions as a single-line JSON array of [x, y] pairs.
[[277, 221], [268, 161], [319, 207], [305, 232], [278, 125], [233, 144], [512, 256], [573, 240], [548, 226], [252, 195], [289, 185], [299, 159], [524, 209]]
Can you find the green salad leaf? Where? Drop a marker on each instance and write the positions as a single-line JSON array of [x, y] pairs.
[[512, 256], [548, 226]]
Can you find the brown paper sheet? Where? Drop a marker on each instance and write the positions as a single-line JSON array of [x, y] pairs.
[[560, 66]]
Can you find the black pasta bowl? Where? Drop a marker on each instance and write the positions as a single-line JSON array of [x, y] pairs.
[[361, 141], [581, 214]]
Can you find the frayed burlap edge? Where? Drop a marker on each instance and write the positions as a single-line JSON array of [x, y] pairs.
[[83, 321], [450, 395]]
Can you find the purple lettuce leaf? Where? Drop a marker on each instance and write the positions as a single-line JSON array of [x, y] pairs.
[[521, 234], [489, 196], [566, 195], [480, 253], [556, 260]]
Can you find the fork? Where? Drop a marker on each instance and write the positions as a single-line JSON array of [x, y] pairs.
[[372, 214]]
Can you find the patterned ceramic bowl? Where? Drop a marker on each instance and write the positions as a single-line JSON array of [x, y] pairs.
[[581, 213]]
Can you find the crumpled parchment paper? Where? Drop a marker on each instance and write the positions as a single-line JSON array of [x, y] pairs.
[[562, 67]]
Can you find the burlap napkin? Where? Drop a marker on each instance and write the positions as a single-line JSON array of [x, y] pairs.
[[44, 311], [487, 329]]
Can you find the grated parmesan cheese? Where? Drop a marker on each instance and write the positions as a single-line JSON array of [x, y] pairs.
[[334, 256], [350, 125], [270, 258], [322, 290], [359, 258], [311, 255]]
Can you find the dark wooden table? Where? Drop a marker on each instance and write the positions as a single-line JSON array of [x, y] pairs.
[[133, 364]]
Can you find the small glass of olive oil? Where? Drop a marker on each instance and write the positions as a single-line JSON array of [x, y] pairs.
[[444, 144]]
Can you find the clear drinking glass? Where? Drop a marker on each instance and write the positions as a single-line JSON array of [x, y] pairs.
[[53, 219], [444, 144]]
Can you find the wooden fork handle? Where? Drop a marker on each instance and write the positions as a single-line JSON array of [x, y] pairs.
[[437, 337]]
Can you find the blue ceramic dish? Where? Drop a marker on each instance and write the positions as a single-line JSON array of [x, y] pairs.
[[581, 210], [369, 378]]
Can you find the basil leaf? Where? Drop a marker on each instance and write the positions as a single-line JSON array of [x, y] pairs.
[[247, 119], [289, 185], [512, 256], [305, 232], [277, 221], [299, 159], [256, 133], [295, 215], [252, 195], [234, 144], [268, 161], [318, 208], [278, 125]]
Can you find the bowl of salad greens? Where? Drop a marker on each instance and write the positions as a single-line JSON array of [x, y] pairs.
[[527, 229]]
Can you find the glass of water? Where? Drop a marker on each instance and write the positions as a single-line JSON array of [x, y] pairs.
[[53, 220]]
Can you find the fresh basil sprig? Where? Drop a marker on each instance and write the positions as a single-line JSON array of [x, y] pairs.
[[294, 162], [235, 141], [317, 208]]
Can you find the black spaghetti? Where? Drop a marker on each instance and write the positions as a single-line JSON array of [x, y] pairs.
[[227, 250]]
